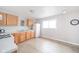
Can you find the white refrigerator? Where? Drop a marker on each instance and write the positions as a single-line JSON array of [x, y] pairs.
[[37, 30]]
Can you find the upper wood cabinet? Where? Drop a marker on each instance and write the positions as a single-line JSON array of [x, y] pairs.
[[8, 19], [3, 19], [29, 22], [12, 20]]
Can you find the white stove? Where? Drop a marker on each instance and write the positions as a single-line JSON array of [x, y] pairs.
[[7, 43]]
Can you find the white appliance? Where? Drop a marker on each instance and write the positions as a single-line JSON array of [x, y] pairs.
[[7, 43], [37, 30]]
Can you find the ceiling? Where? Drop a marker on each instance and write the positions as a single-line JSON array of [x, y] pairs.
[[37, 11]]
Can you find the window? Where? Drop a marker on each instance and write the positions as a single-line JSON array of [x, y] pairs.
[[49, 24], [45, 24]]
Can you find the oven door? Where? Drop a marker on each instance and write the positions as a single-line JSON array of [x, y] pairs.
[[7, 45]]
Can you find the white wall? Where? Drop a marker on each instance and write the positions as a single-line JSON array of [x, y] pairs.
[[64, 30]]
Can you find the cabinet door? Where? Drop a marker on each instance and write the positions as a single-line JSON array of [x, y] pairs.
[[29, 22], [22, 36], [12, 20], [2, 19], [32, 34], [27, 35], [16, 37]]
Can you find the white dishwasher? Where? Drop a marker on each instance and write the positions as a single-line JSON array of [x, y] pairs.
[[7, 44]]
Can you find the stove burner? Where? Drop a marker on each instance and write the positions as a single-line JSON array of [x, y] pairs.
[[5, 36]]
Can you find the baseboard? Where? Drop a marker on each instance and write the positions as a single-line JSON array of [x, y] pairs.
[[62, 41]]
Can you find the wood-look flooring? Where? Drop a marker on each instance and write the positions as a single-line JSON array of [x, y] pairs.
[[40, 45]]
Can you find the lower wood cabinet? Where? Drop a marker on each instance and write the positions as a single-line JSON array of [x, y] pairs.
[[32, 34], [28, 36], [22, 36], [16, 37]]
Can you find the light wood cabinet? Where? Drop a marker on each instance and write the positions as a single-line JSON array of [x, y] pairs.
[[27, 35], [32, 34], [8, 19], [12, 20], [16, 37], [19, 37], [22, 36], [3, 19], [29, 22]]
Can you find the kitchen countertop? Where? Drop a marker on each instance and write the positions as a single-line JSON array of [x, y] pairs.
[[23, 31], [7, 45]]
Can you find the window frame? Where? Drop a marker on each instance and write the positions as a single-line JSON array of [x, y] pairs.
[[49, 24]]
